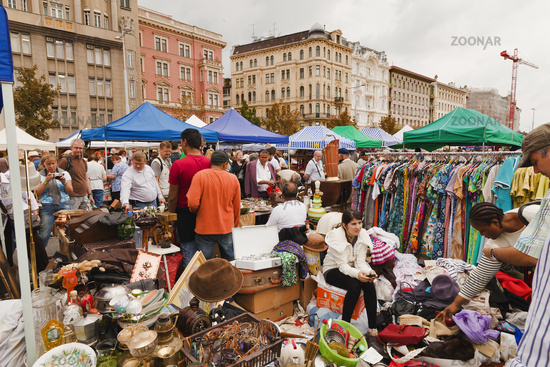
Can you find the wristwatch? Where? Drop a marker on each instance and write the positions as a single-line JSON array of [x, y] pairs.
[[492, 254]]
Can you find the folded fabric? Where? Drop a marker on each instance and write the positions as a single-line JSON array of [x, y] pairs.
[[475, 326], [514, 285], [517, 319]]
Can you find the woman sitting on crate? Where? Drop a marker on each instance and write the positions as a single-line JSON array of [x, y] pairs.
[[345, 265]]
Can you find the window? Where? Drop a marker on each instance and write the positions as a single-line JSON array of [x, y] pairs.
[[211, 98], [241, 65], [302, 91], [59, 51], [69, 50], [44, 8], [187, 51], [328, 54], [132, 89], [317, 51], [100, 88], [71, 85], [157, 43], [310, 54], [311, 71], [272, 60], [106, 58], [288, 74], [283, 74], [251, 62], [89, 54], [346, 75], [210, 77], [15, 45], [255, 62], [266, 95], [164, 45], [301, 73], [287, 92], [87, 18], [165, 69], [93, 117], [91, 86], [124, 3], [310, 91], [317, 70], [73, 120], [12, 4], [216, 98], [301, 109], [56, 10], [105, 21], [301, 54], [317, 91], [97, 19], [267, 61], [159, 68], [62, 83], [290, 56], [266, 78], [272, 77], [282, 93], [328, 92], [108, 89], [328, 73], [130, 60], [185, 73], [284, 57], [209, 55], [273, 95], [216, 78], [98, 56], [162, 68], [67, 12], [346, 59]]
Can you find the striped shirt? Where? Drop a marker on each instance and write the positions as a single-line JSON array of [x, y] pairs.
[[478, 279], [534, 348], [532, 239]]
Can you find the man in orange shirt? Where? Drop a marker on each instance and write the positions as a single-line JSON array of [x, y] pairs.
[[215, 195]]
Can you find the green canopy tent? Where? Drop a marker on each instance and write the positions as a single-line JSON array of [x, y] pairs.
[[360, 139], [461, 126]]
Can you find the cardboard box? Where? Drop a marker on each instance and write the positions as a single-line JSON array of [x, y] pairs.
[[334, 300], [268, 299], [307, 287], [277, 313]]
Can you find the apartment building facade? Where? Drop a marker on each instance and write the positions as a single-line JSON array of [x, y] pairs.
[[447, 98], [489, 102], [308, 71], [370, 85], [179, 62], [76, 44]]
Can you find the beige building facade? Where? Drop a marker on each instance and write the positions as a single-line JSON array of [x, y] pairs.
[[74, 44], [489, 102], [447, 98], [308, 71], [370, 85]]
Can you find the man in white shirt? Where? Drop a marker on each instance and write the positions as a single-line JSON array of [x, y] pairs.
[[292, 213], [97, 176], [161, 166], [314, 169], [139, 186], [259, 176]]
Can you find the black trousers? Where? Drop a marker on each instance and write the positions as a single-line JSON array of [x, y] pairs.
[[354, 287]]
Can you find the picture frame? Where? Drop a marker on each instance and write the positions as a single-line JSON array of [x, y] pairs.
[[146, 266], [180, 295]]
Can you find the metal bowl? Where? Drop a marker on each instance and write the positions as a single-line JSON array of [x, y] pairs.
[[106, 294], [143, 344], [334, 336], [126, 334]]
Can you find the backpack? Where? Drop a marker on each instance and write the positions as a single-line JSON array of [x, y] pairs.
[[70, 165], [161, 163], [522, 208]]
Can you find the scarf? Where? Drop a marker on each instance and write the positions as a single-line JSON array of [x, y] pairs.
[[52, 189]]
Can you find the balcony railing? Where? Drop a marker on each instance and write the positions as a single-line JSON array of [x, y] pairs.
[[317, 115], [338, 99]]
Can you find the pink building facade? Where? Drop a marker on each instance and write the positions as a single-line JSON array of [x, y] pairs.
[[180, 60]]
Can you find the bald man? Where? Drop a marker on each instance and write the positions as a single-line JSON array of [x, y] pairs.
[[314, 169]]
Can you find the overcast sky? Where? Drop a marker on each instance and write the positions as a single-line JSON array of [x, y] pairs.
[[415, 34]]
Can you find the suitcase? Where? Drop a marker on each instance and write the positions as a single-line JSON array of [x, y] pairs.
[[259, 280], [80, 249], [92, 230]]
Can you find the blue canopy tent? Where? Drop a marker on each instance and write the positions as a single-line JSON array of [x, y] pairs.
[[232, 127], [145, 123], [316, 137], [379, 134], [6, 103]]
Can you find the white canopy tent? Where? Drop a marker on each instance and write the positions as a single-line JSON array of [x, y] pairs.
[[195, 121], [25, 141], [399, 135], [66, 143]]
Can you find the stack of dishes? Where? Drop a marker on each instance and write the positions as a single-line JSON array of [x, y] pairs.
[[152, 303]]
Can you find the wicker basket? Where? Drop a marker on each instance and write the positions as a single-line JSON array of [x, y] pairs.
[[260, 358]]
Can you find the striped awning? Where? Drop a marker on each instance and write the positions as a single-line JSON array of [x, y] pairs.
[[379, 134], [316, 137]]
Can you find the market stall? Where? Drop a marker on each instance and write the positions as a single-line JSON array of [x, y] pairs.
[[195, 121], [361, 140], [66, 143], [379, 134], [25, 141]]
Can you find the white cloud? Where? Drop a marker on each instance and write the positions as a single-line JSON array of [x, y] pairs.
[[415, 35]]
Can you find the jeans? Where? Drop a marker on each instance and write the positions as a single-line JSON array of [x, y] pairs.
[[47, 219], [207, 242], [98, 197], [79, 202], [141, 205], [188, 250]]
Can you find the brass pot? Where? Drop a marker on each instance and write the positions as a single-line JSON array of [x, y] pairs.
[[143, 344]]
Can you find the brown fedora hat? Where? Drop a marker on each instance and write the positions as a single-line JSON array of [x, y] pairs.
[[215, 280], [315, 242]]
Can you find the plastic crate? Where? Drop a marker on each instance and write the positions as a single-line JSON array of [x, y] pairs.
[[260, 358]]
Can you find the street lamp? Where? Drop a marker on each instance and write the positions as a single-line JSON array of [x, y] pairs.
[[126, 29], [533, 122], [356, 100]]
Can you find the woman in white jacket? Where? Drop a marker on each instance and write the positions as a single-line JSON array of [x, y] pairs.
[[345, 265]]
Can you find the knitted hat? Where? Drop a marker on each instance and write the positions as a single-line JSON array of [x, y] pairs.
[[381, 251]]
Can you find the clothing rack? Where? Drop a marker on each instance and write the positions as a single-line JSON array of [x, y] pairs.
[[519, 152]]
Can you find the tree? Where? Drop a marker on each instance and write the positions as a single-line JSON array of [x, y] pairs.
[[343, 120], [186, 109], [249, 114], [281, 120], [388, 124], [32, 102]]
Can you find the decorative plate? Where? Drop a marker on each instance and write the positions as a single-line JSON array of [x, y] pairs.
[[72, 354]]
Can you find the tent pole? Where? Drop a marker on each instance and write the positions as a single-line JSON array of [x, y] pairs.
[[19, 221], [288, 155]]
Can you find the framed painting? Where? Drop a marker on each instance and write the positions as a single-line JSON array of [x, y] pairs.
[[146, 267]]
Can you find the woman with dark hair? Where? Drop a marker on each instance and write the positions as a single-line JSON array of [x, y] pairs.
[[502, 231], [345, 265], [238, 168]]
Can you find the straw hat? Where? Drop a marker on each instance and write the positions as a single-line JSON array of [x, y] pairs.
[[215, 280], [33, 153]]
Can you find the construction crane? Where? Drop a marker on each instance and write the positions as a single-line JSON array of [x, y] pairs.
[[515, 60]]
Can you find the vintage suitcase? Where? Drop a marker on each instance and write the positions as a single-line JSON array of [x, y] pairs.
[[80, 249], [253, 245], [259, 280], [92, 230]]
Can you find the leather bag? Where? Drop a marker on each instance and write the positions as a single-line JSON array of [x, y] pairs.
[[403, 334]]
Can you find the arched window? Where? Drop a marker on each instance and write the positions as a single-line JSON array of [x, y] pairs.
[[328, 92], [242, 97], [302, 91], [287, 92], [272, 60], [255, 62], [318, 51], [249, 97], [237, 66], [266, 95], [251, 63], [346, 59], [328, 110], [328, 54], [290, 56], [310, 109], [340, 57], [284, 57], [302, 109], [282, 93], [310, 52], [241, 65], [267, 61], [238, 102], [346, 92], [273, 94], [310, 91], [301, 54], [317, 91], [324, 52], [317, 109], [253, 96]]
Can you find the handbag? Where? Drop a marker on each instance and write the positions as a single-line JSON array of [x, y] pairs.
[[403, 307], [402, 334]]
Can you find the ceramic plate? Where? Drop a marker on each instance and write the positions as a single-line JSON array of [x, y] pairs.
[[146, 299], [72, 354]]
